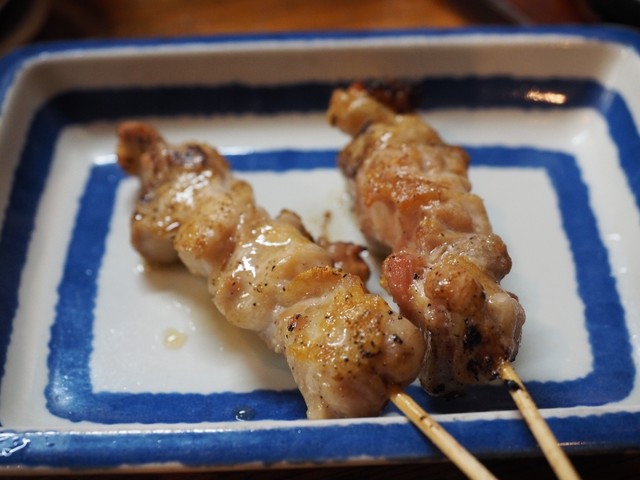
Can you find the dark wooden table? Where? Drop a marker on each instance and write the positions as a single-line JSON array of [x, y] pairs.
[[74, 19]]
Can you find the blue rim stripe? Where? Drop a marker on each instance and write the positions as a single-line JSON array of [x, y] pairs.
[[402, 442]]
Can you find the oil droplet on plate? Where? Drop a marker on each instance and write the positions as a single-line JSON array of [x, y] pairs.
[[245, 414], [174, 339]]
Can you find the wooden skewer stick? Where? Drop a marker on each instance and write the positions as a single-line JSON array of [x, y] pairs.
[[556, 457], [448, 445]]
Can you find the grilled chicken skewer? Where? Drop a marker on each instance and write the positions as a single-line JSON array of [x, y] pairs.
[[443, 263], [345, 346]]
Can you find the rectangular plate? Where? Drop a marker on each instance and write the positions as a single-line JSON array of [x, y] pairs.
[[108, 363]]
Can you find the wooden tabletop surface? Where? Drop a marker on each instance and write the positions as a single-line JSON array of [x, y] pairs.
[[75, 19], [169, 18]]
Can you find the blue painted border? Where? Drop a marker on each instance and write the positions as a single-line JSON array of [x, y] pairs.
[[46, 448], [291, 444], [69, 393]]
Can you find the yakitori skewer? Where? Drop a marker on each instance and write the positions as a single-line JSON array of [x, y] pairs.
[[344, 345], [442, 261]]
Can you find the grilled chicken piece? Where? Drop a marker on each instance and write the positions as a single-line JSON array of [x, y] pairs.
[[189, 203], [345, 255], [343, 345], [268, 255], [443, 264]]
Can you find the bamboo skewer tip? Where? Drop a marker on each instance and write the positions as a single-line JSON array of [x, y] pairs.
[[557, 458], [447, 444]]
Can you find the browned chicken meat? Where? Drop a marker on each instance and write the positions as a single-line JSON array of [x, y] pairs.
[[344, 345], [442, 262], [189, 204]]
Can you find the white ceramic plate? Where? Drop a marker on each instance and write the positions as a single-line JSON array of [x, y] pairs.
[[108, 364]]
